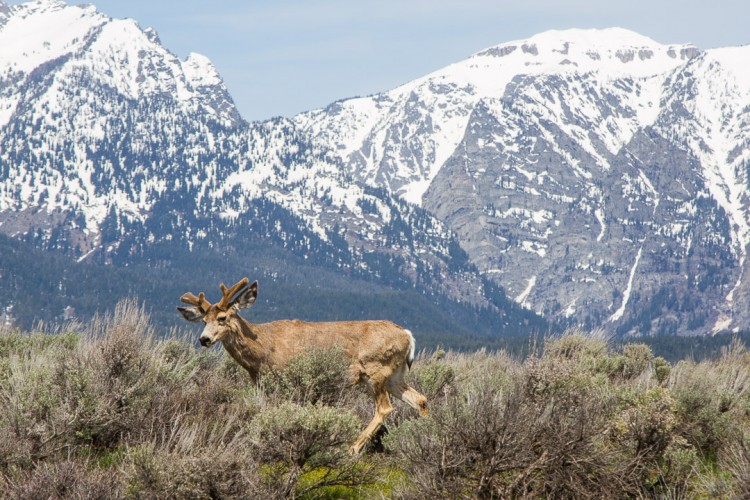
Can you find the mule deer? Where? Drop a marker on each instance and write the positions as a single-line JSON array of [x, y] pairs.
[[379, 352]]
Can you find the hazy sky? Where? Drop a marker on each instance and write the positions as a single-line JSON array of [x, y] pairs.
[[285, 56]]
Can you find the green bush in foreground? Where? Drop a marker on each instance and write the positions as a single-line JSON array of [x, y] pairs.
[[110, 412], [319, 376], [312, 439]]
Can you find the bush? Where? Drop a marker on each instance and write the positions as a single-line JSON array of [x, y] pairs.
[[537, 438], [199, 473], [710, 403], [433, 378], [662, 369], [736, 461], [296, 440], [642, 438], [316, 376], [638, 357], [440, 452], [59, 480], [575, 346]]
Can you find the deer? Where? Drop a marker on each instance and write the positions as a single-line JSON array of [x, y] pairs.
[[379, 352]]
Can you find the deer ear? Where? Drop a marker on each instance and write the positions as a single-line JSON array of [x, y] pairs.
[[247, 297], [191, 313]]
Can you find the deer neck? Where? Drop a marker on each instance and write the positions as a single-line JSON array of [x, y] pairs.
[[245, 347]]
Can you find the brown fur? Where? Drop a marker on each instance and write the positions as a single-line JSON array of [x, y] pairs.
[[379, 350]]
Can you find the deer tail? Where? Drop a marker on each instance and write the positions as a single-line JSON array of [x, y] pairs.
[[412, 349]]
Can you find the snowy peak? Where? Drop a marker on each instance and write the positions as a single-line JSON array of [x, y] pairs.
[[595, 175], [403, 137], [34, 33], [79, 42], [711, 96], [611, 53], [110, 144], [4, 13], [583, 170], [39, 7], [73, 75], [594, 49], [733, 61], [200, 72]]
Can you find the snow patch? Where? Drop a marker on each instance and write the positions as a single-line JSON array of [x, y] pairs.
[[571, 309], [599, 214], [523, 296], [626, 294]]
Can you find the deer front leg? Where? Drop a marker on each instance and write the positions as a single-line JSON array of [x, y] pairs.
[[383, 408]]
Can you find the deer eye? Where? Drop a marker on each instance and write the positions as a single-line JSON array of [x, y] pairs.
[[222, 319]]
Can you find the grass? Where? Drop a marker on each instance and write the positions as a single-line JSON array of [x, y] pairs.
[[115, 409]]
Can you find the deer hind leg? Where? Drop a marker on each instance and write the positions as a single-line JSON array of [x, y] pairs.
[[383, 408], [399, 389]]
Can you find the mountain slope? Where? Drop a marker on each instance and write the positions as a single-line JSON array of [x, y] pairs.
[[404, 136], [708, 113], [598, 176], [116, 152]]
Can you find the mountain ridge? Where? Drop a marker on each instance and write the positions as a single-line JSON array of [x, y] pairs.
[[591, 119], [112, 157], [588, 184]]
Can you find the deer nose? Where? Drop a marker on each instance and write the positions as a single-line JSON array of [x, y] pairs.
[[205, 341]]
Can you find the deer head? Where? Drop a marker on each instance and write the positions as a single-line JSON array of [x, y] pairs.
[[220, 318]]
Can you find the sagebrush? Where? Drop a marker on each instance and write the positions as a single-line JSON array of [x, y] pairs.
[[115, 409]]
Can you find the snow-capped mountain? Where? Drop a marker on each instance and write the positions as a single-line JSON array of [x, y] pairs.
[[73, 76], [110, 145], [404, 136], [597, 176]]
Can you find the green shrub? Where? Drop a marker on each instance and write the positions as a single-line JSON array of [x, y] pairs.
[[662, 369], [638, 357], [735, 459], [316, 376], [677, 470], [199, 474], [294, 440], [645, 426], [701, 405], [19, 346], [31, 415], [575, 346], [17, 343]]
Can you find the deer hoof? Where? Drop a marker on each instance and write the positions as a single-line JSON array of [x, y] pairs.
[[423, 408]]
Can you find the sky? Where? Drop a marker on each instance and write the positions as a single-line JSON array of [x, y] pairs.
[[282, 57]]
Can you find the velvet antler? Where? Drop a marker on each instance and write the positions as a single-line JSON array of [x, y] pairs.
[[200, 301], [228, 293]]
